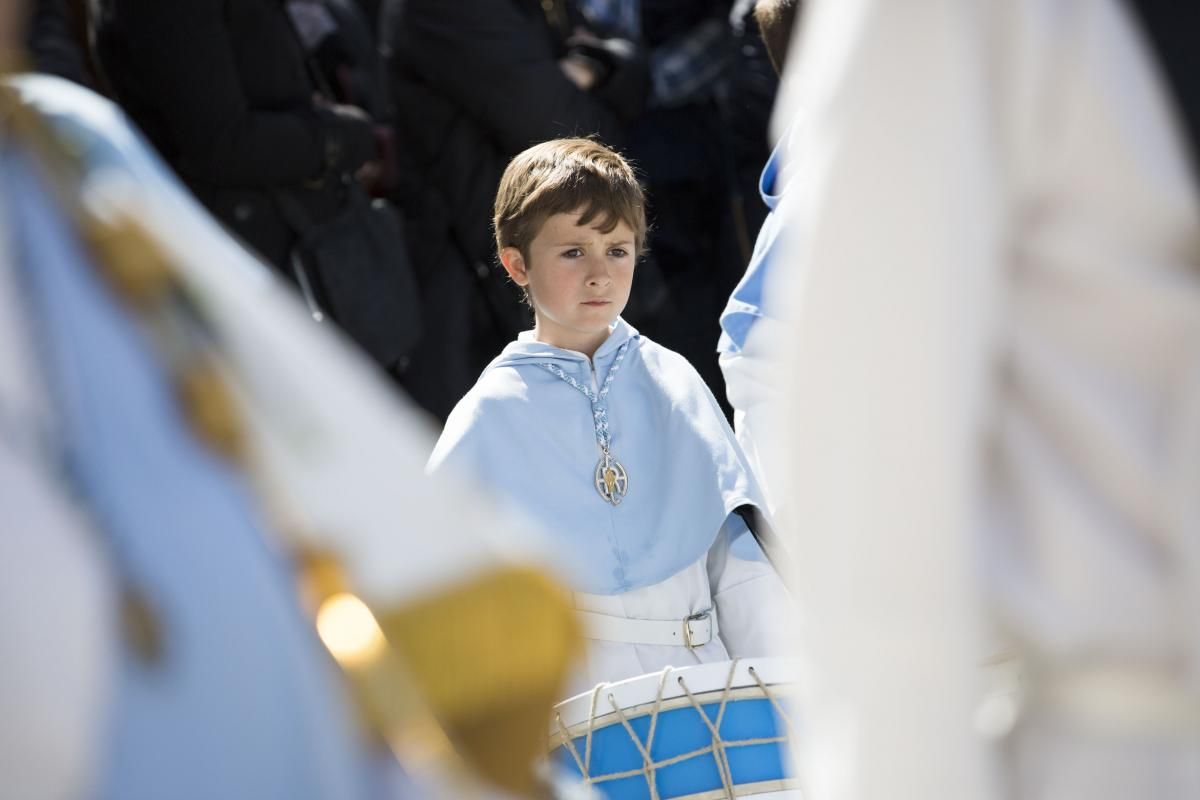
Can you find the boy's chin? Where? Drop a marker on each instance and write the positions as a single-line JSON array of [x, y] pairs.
[[603, 317]]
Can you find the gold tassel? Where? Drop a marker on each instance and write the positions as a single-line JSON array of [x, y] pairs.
[[130, 259], [210, 408], [141, 626], [491, 657], [470, 672]]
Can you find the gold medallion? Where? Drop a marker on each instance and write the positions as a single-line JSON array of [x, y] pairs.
[[612, 482]]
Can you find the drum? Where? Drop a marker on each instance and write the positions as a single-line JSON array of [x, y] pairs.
[[716, 730]]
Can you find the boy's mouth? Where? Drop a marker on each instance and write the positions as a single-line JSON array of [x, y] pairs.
[[596, 302]]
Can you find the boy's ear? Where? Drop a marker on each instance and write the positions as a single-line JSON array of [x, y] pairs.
[[514, 265]]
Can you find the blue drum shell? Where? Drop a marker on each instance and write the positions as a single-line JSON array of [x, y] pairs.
[[680, 731]]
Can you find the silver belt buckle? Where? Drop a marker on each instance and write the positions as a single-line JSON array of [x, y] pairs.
[[687, 629]]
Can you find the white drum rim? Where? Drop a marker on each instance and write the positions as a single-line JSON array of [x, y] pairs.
[[764, 789], [638, 695]]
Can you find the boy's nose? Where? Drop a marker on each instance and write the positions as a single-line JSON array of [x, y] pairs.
[[597, 273]]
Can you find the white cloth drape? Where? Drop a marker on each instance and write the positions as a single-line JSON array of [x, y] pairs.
[[742, 589], [996, 309]]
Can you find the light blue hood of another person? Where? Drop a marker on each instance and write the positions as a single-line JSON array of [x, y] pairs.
[[748, 302], [528, 436]]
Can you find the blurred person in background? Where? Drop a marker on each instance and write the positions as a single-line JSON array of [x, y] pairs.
[[994, 282], [249, 105], [341, 42], [221, 90], [474, 83], [57, 40], [750, 328], [372, 11], [701, 144]]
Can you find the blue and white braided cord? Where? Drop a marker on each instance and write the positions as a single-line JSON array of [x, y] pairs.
[[599, 407]]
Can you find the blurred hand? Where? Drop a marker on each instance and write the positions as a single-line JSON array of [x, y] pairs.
[[580, 70], [348, 112], [369, 175], [582, 35], [349, 137], [620, 68], [612, 54]]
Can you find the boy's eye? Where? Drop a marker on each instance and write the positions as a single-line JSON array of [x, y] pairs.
[[618, 252], [574, 252]]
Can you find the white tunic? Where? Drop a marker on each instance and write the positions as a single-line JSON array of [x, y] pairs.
[[997, 331], [752, 386], [746, 594]]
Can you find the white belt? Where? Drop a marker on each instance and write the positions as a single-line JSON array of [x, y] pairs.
[[694, 631]]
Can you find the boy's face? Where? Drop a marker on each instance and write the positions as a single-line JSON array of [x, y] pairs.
[[578, 280]]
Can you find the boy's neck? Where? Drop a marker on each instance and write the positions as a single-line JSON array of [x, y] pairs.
[[587, 344]]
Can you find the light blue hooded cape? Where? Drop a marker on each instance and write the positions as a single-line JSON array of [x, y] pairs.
[[245, 702], [748, 303], [528, 435]]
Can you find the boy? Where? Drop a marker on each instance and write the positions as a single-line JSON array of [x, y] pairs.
[[610, 441]]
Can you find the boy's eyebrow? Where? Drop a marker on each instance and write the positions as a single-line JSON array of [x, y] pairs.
[[581, 244]]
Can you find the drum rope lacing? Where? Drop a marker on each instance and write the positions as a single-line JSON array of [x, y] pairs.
[[649, 766]]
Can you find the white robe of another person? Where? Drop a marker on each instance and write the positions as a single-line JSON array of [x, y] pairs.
[[995, 402]]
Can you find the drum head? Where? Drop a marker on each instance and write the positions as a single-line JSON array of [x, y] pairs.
[[708, 731]]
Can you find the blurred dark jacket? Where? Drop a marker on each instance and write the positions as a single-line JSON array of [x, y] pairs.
[[57, 40], [220, 88], [348, 56], [476, 82]]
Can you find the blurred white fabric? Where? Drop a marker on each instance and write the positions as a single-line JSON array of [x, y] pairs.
[[753, 387], [995, 398]]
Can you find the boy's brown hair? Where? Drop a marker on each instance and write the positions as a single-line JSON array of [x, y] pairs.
[[562, 176]]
